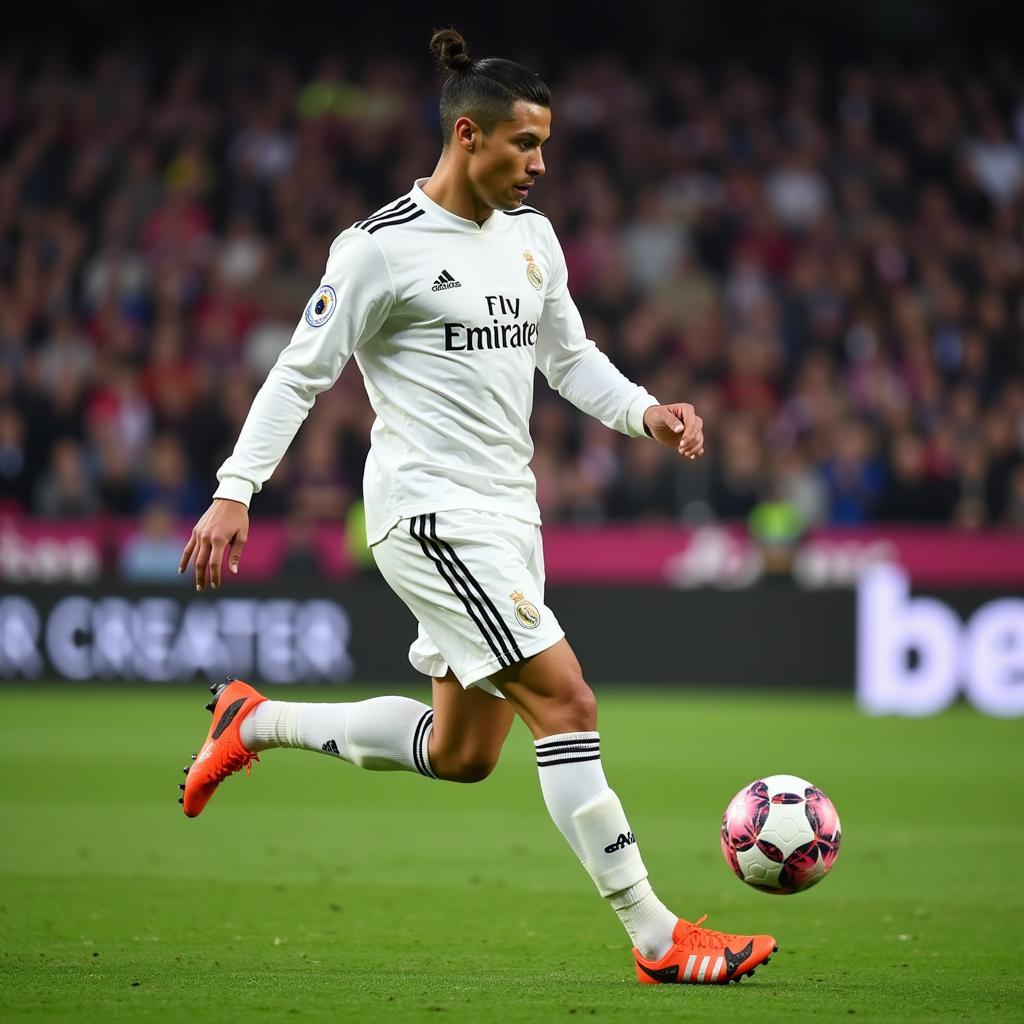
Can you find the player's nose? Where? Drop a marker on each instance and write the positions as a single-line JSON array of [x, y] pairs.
[[535, 165]]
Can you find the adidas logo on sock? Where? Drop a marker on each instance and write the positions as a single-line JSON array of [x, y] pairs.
[[330, 747], [444, 282], [621, 843]]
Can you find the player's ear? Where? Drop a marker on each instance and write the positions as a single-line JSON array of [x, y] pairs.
[[467, 133]]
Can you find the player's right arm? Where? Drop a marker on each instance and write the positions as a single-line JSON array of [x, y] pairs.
[[350, 306]]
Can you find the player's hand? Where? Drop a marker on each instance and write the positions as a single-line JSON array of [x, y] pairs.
[[224, 527], [677, 426]]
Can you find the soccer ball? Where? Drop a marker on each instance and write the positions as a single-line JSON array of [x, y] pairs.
[[780, 834]]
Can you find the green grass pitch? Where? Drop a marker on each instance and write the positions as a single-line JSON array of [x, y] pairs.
[[314, 891]]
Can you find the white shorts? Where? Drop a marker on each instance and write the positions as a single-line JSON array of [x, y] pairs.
[[475, 582]]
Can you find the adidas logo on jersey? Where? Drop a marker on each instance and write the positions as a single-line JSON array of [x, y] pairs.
[[444, 282]]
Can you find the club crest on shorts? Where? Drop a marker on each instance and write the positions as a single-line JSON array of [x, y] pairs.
[[526, 611], [533, 274], [320, 308]]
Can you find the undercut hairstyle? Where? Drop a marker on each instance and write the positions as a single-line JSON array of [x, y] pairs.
[[484, 90]]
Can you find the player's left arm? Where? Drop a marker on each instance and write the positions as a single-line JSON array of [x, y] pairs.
[[581, 373]]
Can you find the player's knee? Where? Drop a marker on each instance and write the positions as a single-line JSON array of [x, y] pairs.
[[473, 771], [582, 710], [463, 767], [574, 709]]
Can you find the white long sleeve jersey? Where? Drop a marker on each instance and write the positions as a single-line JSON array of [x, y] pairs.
[[447, 320]]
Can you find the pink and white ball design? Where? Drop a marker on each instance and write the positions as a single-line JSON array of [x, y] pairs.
[[781, 834]]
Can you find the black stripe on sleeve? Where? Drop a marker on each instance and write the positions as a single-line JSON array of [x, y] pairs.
[[468, 599], [392, 223], [401, 206], [480, 590]]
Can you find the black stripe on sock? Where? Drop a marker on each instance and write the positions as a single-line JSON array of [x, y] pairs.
[[416, 743], [399, 206], [565, 743], [393, 223], [425, 719], [424, 744], [563, 751], [490, 604], [568, 760], [579, 752], [468, 599]]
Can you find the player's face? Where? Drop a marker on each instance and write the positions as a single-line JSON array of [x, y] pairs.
[[506, 163]]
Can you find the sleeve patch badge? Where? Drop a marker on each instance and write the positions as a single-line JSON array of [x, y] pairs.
[[320, 308]]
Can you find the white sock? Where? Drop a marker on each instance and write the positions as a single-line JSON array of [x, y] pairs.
[[590, 816], [383, 734], [648, 921]]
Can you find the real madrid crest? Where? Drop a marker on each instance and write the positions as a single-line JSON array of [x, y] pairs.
[[526, 611], [533, 274], [320, 308]]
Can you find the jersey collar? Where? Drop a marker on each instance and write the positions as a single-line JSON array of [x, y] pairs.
[[421, 199]]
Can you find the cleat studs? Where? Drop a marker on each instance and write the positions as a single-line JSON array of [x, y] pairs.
[[184, 770], [767, 960], [775, 948], [181, 786], [209, 707], [181, 800], [214, 687], [193, 757]]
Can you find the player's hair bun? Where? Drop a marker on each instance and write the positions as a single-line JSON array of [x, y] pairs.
[[449, 49]]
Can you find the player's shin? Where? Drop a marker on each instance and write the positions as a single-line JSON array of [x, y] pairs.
[[380, 734], [590, 816]]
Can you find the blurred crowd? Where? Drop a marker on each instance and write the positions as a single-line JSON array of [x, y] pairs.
[[828, 261]]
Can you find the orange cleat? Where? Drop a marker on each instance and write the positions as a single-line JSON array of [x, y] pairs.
[[700, 956], [223, 753]]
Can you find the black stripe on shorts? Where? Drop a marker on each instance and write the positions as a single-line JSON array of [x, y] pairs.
[[469, 600], [480, 590]]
